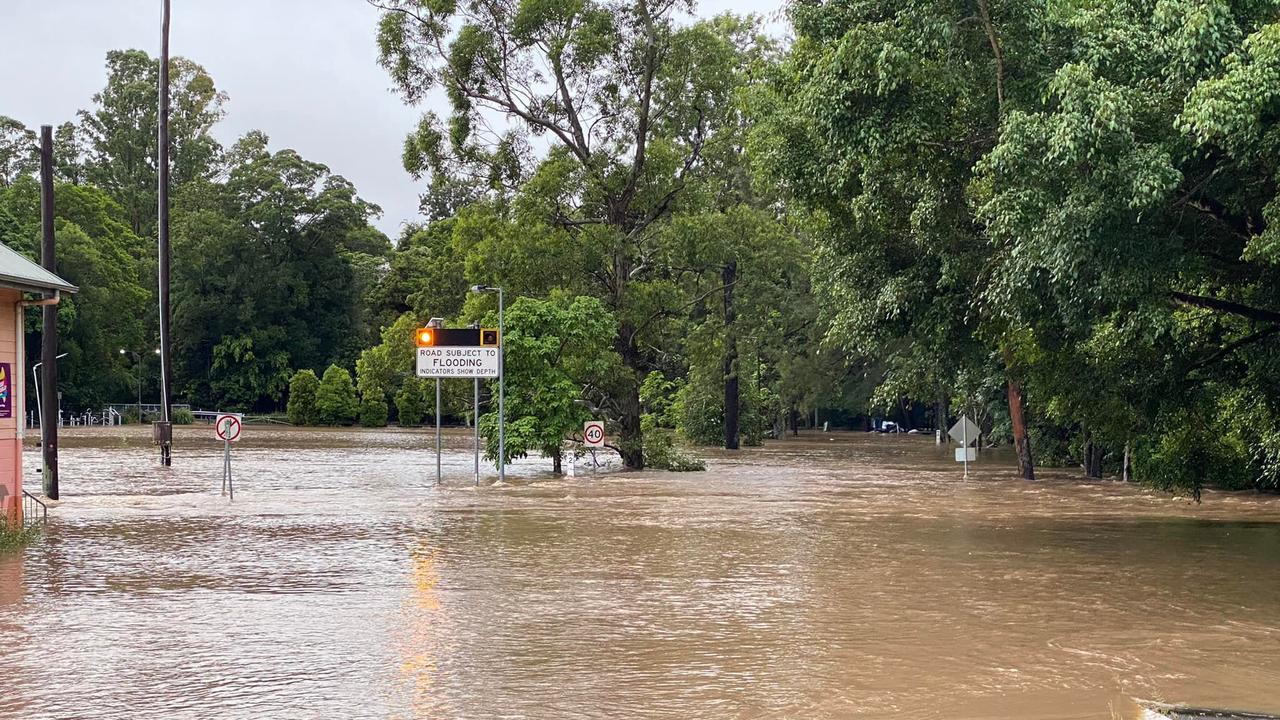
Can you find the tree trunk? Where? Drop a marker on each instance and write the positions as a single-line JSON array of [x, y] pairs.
[[630, 440], [1021, 441], [940, 418], [1092, 453], [1124, 469], [557, 462], [795, 422], [730, 275]]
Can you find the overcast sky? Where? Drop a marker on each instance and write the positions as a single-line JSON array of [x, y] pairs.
[[303, 71]]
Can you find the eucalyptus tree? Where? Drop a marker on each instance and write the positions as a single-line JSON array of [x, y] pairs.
[[119, 132], [606, 107], [877, 122], [1134, 210], [19, 151]]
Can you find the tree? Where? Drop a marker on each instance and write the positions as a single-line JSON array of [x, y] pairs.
[[19, 151], [264, 276], [624, 95], [556, 351], [303, 389], [120, 132], [373, 409], [97, 252], [411, 404], [876, 125], [336, 398]]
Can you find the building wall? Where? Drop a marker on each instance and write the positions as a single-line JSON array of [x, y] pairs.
[[10, 437]]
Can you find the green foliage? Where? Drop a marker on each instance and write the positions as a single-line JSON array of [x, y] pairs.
[[120, 132], [661, 453], [183, 416], [268, 270], [13, 536], [556, 352], [627, 98], [411, 401], [373, 410], [304, 387], [336, 402]]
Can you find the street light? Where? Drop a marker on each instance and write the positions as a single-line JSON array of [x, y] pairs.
[[502, 382], [137, 359], [40, 408]]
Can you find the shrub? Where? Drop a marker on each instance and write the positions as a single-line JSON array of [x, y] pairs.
[[373, 410], [661, 453], [14, 536], [336, 402], [411, 402], [302, 398], [183, 416]]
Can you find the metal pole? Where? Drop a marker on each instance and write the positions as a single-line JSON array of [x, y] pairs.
[[475, 427], [49, 331], [162, 141], [502, 394], [437, 431], [35, 377], [964, 432]]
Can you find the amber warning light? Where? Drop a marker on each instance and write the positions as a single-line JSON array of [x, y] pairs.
[[426, 337]]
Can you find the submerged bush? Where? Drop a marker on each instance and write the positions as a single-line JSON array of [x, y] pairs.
[[661, 453], [14, 535]]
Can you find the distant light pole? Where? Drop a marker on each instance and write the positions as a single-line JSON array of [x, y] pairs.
[[502, 381], [35, 374], [137, 359]]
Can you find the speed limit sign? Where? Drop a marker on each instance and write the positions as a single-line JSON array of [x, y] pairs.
[[593, 434]]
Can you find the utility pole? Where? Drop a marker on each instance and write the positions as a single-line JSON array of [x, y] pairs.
[[49, 333], [165, 434]]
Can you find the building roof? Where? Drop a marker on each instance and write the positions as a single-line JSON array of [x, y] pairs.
[[18, 272]]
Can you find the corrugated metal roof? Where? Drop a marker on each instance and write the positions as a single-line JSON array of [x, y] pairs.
[[17, 271]]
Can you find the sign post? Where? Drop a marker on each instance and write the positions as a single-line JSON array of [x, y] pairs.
[[459, 353], [227, 427], [961, 432], [593, 437]]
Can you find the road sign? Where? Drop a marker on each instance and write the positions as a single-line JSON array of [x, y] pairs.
[[227, 427], [966, 455], [458, 362], [593, 434], [457, 337], [964, 431]]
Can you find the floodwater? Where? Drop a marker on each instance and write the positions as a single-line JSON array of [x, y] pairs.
[[842, 576]]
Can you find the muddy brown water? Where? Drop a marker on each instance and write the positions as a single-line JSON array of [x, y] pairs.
[[842, 576]]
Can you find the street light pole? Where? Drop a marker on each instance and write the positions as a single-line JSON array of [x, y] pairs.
[[502, 395], [35, 374], [502, 380]]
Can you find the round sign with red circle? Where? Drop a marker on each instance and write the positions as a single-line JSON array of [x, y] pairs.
[[227, 427], [593, 434]]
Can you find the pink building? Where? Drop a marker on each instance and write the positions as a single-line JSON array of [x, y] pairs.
[[19, 278]]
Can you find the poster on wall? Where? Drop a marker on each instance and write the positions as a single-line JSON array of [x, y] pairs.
[[6, 390]]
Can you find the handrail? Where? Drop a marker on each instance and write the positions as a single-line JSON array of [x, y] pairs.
[[33, 510]]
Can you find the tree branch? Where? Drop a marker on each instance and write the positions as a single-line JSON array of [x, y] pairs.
[[1226, 306], [984, 13], [1231, 347]]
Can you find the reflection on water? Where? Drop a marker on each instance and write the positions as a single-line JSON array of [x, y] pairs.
[[854, 577]]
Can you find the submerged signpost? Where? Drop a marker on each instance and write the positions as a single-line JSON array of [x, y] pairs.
[[593, 438], [227, 427], [964, 432], [460, 353]]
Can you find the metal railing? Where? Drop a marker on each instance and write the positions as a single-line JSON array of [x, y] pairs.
[[34, 511]]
